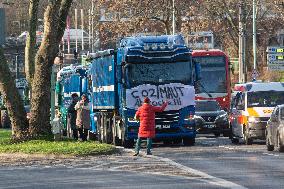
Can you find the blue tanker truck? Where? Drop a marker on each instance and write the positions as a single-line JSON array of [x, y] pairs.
[[158, 67]]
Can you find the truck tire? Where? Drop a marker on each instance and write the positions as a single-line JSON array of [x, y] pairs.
[[188, 141], [280, 144], [247, 139]]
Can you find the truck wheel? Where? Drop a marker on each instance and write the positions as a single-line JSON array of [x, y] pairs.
[[280, 145], [128, 143], [247, 139], [268, 145], [188, 141]]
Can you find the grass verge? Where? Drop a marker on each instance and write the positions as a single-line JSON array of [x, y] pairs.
[[64, 147]]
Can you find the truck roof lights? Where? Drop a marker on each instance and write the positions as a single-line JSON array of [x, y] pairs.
[[170, 45], [154, 46], [146, 47], [162, 46]]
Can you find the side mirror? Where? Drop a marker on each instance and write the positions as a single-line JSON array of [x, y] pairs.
[[273, 118], [197, 68]]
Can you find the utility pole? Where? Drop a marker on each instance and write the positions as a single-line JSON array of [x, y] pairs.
[[76, 29], [254, 35], [242, 45], [82, 26], [174, 17], [92, 13]]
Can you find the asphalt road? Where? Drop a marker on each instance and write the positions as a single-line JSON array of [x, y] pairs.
[[211, 163], [249, 166]]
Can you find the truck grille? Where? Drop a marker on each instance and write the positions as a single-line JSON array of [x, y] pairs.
[[264, 119], [166, 118]]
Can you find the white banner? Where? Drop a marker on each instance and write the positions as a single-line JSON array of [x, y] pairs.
[[178, 95]]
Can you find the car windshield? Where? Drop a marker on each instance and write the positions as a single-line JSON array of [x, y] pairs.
[[206, 106], [213, 73], [265, 98], [178, 72]]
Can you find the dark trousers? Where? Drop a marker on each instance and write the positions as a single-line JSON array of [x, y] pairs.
[[138, 145], [75, 133], [83, 133]]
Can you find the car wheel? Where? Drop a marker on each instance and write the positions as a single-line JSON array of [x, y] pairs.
[[268, 145], [247, 139], [227, 134], [235, 140], [280, 144], [217, 134]]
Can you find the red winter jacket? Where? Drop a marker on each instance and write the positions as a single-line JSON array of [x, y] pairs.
[[146, 114]]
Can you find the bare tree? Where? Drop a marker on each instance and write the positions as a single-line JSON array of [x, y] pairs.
[[54, 26], [13, 101], [30, 50]]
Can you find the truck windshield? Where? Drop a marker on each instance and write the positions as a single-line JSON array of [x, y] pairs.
[[265, 98], [178, 72], [213, 73]]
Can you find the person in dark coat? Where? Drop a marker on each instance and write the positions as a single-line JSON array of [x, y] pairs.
[[83, 119], [146, 115], [72, 114]]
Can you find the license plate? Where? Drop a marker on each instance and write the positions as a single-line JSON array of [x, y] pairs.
[[209, 126], [163, 126]]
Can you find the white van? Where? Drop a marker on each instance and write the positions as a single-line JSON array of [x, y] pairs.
[[251, 108]]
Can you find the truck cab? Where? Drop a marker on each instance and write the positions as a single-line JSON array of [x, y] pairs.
[[251, 108]]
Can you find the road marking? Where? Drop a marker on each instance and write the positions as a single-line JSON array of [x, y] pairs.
[[205, 177]]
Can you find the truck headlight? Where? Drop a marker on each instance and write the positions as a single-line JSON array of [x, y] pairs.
[[253, 119]]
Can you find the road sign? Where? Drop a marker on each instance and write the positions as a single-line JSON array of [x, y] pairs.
[[275, 58]]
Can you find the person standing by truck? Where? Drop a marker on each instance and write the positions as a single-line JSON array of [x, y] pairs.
[[83, 117], [146, 115], [72, 114]]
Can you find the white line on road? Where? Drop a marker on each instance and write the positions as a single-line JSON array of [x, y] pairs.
[[205, 177]]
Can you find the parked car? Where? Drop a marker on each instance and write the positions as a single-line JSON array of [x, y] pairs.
[[210, 118], [275, 129]]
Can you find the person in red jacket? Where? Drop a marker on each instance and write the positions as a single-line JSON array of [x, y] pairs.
[[146, 115]]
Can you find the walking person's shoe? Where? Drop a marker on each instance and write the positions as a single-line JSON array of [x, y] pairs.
[[136, 154], [149, 153]]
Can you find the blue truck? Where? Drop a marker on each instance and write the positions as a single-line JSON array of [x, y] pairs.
[[70, 79], [158, 67]]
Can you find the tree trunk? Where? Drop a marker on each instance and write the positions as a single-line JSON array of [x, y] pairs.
[[13, 101], [54, 26], [30, 50]]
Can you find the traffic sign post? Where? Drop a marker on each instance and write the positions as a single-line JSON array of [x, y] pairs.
[[275, 58]]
